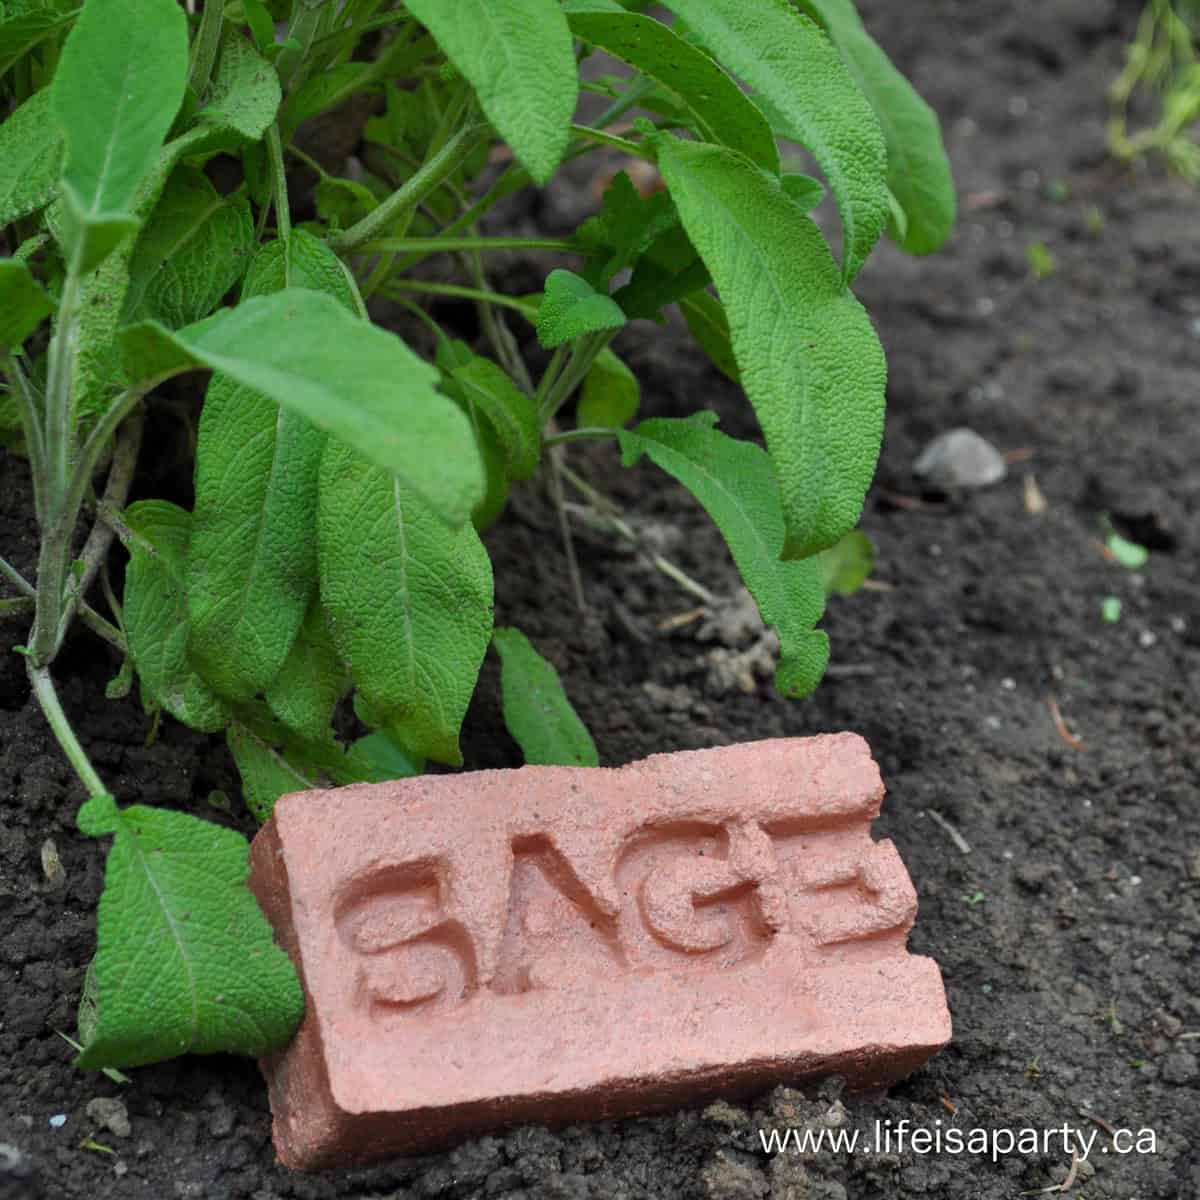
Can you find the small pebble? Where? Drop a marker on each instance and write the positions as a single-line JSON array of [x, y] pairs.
[[960, 458], [110, 1113]]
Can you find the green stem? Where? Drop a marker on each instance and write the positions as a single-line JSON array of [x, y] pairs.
[[204, 48], [586, 433], [554, 368], [31, 426], [47, 697], [406, 198], [432, 245], [583, 354], [458, 292], [283, 215], [302, 28], [17, 579], [623, 103], [637, 149]]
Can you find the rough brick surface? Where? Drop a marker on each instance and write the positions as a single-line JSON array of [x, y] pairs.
[[557, 944]]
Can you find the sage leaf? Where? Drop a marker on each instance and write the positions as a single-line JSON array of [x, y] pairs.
[[409, 601], [735, 483], [253, 558], [787, 60], [510, 412], [186, 962], [354, 380], [918, 169], [624, 228], [312, 680], [845, 566], [156, 617], [119, 83], [809, 360], [243, 100], [31, 154], [193, 249], [537, 712], [720, 110], [23, 303], [610, 394], [24, 31], [519, 58], [571, 307], [706, 319]]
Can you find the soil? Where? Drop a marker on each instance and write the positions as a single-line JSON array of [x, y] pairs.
[[1067, 935]]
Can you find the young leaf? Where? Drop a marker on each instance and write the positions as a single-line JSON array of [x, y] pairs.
[[312, 679], [610, 393], [787, 59], [253, 558], [809, 359], [720, 109], [409, 601], [186, 962], [242, 101], [571, 307], [846, 566], [30, 159], [118, 86], [23, 303], [156, 618], [624, 228], [706, 319], [804, 190], [518, 56], [536, 709], [24, 31], [193, 249], [307, 262], [918, 170], [735, 483], [352, 379], [509, 411], [669, 269]]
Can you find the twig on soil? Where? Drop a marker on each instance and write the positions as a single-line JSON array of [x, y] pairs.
[[1105, 1125], [948, 1104], [1066, 1184], [564, 526], [848, 670], [1020, 454], [1061, 726], [679, 620], [877, 585], [912, 503], [957, 838]]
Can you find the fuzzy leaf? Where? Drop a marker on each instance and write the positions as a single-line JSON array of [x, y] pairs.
[[519, 58], [192, 250], [624, 228], [312, 679], [30, 159], [409, 602], [610, 394], [537, 712], [918, 170], [156, 617], [810, 361], [571, 307], [734, 482], [253, 560], [720, 109], [669, 269], [787, 59], [705, 317], [119, 83], [243, 100], [806, 191], [348, 377], [23, 303], [510, 412], [26, 30], [846, 566], [186, 962]]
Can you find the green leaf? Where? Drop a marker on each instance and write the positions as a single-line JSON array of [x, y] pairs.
[[510, 412], [385, 756], [25, 31], [30, 159], [846, 566], [788, 61], [804, 190], [624, 228], [809, 359], [243, 99], [186, 962], [536, 709], [253, 560], [23, 303], [350, 378], [409, 602], [721, 110], [519, 58], [734, 482], [156, 616], [610, 393], [918, 170], [119, 83], [669, 269], [322, 92], [571, 307], [705, 317], [192, 250], [311, 681]]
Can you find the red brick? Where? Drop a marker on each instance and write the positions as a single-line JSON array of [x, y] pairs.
[[557, 944]]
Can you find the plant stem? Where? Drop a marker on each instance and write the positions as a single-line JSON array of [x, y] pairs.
[[283, 214], [432, 245], [17, 579], [458, 292], [587, 433], [47, 697], [406, 198], [31, 426], [637, 149], [204, 48], [623, 103], [583, 354]]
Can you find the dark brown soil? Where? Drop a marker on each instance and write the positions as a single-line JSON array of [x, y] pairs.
[[1067, 936]]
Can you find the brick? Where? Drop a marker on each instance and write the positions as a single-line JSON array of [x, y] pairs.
[[556, 944]]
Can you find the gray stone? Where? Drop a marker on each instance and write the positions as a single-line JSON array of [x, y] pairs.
[[960, 458]]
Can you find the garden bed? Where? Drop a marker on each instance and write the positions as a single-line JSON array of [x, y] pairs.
[[1067, 936]]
